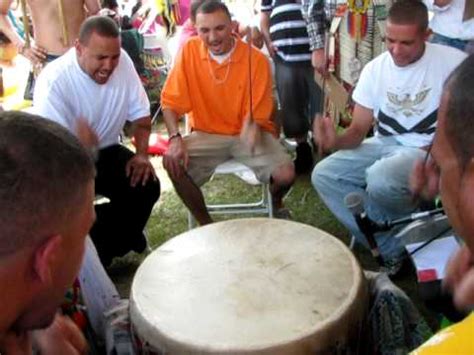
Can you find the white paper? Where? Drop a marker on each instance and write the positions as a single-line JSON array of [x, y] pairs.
[[435, 255]]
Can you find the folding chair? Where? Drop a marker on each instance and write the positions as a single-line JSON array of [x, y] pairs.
[[264, 206]]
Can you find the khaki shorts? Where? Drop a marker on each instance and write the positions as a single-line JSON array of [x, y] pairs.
[[206, 151]]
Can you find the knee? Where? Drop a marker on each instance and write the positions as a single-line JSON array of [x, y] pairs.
[[321, 174], [381, 184], [284, 175], [154, 188], [150, 191]]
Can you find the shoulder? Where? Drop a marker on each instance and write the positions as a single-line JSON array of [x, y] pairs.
[[192, 45], [381, 61], [59, 69], [448, 56]]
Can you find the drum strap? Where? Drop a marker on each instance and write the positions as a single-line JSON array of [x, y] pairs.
[[249, 40]]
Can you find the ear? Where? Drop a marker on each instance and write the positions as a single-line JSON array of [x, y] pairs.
[[427, 34], [78, 46], [45, 258]]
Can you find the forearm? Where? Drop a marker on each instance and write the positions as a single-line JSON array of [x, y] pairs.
[[8, 30], [141, 133], [350, 139], [171, 119], [265, 28]]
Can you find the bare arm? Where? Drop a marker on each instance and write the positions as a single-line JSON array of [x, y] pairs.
[[141, 129], [139, 167], [6, 26], [265, 28], [327, 138], [35, 54], [361, 123], [92, 7], [175, 160]]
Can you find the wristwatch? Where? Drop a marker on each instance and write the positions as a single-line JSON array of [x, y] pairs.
[[175, 135]]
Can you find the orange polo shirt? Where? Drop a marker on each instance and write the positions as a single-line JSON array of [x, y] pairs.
[[216, 96]]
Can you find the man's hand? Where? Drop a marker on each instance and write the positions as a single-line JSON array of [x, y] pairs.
[[176, 158], [318, 60], [424, 180], [36, 54], [460, 278], [63, 337], [252, 34], [139, 169], [86, 134], [324, 133], [250, 134]]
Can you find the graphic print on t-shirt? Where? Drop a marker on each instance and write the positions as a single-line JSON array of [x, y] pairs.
[[405, 104], [403, 113]]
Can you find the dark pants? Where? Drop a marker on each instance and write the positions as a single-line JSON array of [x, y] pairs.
[[120, 222], [299, 97]]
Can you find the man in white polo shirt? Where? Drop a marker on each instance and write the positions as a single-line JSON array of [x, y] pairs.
[[95, 85]]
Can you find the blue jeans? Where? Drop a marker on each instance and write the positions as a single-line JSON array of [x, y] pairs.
[[448, 41], [379, 169]]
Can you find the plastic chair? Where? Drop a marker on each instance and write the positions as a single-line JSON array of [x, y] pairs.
[[264, 206]]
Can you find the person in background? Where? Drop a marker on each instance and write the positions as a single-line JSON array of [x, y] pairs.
[[453, 23], [287, 41]]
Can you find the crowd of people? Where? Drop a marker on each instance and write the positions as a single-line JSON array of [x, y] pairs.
[[416, 98]]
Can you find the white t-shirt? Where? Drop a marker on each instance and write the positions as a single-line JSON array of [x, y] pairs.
[[63, 93], [405, 100], [448, 20]]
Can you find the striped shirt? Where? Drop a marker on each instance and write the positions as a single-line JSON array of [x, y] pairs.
[[288, 30]]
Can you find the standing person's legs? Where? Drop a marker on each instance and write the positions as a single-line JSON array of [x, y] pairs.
[[298, 102], [120, 223]]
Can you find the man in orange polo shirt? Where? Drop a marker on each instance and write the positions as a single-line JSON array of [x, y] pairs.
[[210, 83]]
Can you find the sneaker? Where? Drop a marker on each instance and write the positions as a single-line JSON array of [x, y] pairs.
[[304, 158]]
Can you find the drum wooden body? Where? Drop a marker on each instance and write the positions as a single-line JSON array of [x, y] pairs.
[[249, 286]]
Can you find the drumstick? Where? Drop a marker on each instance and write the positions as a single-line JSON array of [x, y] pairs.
[[26, 23], [322, 104], [63, 23], [249, 40]]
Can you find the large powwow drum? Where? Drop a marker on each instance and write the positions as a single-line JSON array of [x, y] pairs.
[[249, 286]]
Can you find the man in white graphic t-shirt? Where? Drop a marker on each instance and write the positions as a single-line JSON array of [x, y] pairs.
[[398, 92]]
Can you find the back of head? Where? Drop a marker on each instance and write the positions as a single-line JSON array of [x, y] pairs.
[[460, 110], [409, 12], [212, 6], [102, 25], [44, 172]]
